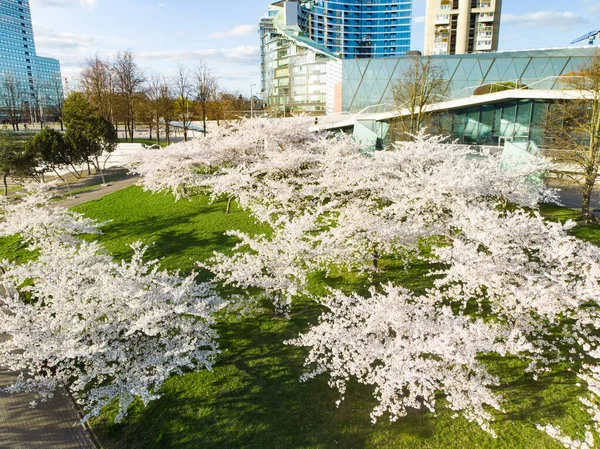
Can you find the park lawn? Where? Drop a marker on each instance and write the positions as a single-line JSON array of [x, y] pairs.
[[253, 398]]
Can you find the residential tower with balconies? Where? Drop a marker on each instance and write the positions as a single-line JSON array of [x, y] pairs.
[[462, 26]]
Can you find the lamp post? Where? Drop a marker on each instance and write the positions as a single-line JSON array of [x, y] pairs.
[[251, 101]]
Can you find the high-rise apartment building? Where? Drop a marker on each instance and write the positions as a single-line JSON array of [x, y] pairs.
[[37, 80], [358, 28], [303, 43], [294, 68], [462, 26]]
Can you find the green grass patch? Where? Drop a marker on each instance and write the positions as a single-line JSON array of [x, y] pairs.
[[253, 397]]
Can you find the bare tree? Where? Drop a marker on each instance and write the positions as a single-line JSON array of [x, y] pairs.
[[97, 80], [206, 90], [129, 80], [160, 104], [38, 101], [57, 99], [573, 127], [421, 84], [182, 88], [12, 99]]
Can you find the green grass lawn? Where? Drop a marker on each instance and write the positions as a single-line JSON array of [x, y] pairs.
[[253, 398]]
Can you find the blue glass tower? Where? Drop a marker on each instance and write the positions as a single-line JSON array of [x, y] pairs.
[[359, 28], [38, 79]]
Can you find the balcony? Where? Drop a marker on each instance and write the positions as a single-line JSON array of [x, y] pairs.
[[486, 17], [483, 45], [442, 19]]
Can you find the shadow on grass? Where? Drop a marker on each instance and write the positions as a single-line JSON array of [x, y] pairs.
[[253, 398]]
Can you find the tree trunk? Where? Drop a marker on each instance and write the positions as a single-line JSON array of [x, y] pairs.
[[5, 179], [376, 260], [588, 188], [57, 174], [75, 172], [228, 210]]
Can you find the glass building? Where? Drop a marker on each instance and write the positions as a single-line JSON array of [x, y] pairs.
[[534, 79], [304, 42], [294, 68], [36, 79], [359, 28]]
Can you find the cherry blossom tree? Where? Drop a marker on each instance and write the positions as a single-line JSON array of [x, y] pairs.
[[409, 347], [32, 217], [472, 218], [107, 330]]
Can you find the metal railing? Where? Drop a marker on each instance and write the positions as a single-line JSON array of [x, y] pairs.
[[548, 83]]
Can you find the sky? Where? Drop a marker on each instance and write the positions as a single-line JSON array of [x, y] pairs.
[[163, 34]]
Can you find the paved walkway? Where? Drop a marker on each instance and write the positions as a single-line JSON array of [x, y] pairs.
[[51, 425], [99, 191]]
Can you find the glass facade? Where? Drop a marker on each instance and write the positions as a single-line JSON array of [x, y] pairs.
[[359, 28], [293, 67], [302, 43], [492, 124], [38, 79], [369, 82]]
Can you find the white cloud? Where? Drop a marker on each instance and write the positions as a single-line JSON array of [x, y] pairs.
[[70, 49], [419, 19], [240, 30], [89, 4], [548, 19], [246, 54]]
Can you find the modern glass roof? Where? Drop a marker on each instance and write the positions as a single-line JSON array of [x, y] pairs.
[[369, 82]]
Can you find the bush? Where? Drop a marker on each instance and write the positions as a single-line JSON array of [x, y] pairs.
[[497, 87]]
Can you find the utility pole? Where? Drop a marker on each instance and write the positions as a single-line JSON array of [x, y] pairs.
[[251, 101]]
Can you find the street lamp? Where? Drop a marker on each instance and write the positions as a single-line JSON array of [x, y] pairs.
[[251, 102]]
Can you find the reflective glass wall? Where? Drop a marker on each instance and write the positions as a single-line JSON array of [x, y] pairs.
[[369, 82], [37, 79], [492, 124], [359, 28]]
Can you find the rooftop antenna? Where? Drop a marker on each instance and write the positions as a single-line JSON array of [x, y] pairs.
[[590, 37]]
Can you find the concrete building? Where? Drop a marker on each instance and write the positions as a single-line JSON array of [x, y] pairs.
[[462, 26], [36, 79]]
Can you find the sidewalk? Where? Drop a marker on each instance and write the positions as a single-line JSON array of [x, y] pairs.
[[51, 425], [97, 191]]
